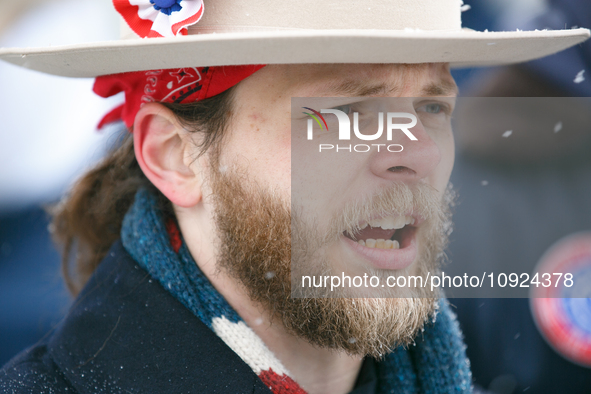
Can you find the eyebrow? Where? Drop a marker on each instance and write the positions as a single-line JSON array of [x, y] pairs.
[[442, 88], [356, 88]]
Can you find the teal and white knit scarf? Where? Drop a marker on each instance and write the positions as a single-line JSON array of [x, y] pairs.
[[437, 363]]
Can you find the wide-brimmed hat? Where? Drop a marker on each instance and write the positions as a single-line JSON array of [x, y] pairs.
[[230, 32]]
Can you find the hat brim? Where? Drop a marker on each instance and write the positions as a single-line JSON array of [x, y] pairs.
[[463, 48]]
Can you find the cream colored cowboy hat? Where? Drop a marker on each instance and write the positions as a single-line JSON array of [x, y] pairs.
[[232, 32]]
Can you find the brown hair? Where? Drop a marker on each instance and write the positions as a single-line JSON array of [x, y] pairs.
[[88, 220]]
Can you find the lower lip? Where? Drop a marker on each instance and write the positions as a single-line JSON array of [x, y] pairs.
[[386, 259]]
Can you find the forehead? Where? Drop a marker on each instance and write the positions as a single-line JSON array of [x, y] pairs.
[[346, 80]]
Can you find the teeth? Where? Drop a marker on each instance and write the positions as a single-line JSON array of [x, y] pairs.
[[364, 226], [379, 244], [391, 223]]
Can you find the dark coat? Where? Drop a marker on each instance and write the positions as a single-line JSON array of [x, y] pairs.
[[127, 334]]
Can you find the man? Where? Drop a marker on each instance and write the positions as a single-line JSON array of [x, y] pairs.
[[217, 199]]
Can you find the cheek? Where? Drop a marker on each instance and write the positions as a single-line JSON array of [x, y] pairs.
[[264, 151], [280, 163], [448, 156], [446, 146]]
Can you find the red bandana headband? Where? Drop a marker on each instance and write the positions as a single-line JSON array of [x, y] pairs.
[[182, 85], [164, 18]]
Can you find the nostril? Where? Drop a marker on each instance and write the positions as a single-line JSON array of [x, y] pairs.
[[401, 170]]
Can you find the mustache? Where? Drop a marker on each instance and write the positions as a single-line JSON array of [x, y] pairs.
[[419, 200]]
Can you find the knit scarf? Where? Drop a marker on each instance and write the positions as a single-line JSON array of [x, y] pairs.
[[435, 363]]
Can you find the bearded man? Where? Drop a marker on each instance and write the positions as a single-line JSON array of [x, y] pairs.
[[182, 245]]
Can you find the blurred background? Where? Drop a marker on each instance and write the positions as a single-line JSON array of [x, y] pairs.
[[47, 138], [523, 189], [516, 200]]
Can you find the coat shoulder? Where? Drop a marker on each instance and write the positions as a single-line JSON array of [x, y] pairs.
[[33, 371], [127, 333]]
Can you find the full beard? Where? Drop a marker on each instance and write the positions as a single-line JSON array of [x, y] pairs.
[[255, 228]]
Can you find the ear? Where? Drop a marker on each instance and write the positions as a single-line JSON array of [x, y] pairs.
[[162, 149]]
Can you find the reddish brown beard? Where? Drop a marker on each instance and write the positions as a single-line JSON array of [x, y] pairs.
[[254, 228]]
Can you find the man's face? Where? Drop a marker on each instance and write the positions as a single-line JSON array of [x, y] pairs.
[[260, 136], [279, 209]]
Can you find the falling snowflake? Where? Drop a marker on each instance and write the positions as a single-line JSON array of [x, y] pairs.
[[580, 78], [465, 7], [270, 275], [484, 183], [557, 127], [507, 133]]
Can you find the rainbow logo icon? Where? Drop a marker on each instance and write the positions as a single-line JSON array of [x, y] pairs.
[[316, 115]]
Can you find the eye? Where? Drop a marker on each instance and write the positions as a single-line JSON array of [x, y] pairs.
[[344, 108], [433, 108]]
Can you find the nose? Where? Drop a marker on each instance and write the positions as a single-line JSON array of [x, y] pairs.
[[417, 160]]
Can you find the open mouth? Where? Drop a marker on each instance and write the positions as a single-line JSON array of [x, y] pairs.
[[394, 232]]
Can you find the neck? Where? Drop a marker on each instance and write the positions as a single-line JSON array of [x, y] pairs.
[[316, 370]]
